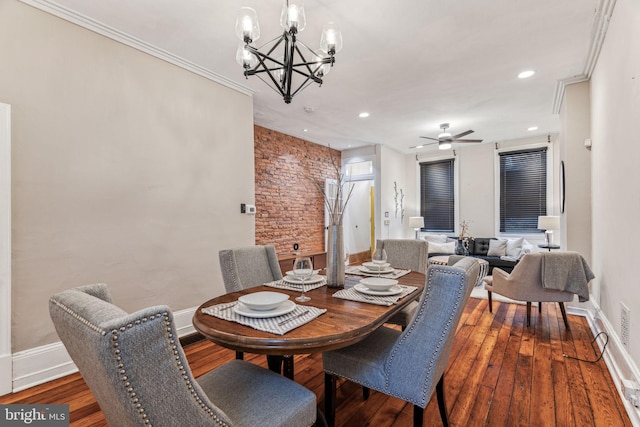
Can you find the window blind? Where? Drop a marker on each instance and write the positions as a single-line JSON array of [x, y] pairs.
[[523, 189], [437, 201]]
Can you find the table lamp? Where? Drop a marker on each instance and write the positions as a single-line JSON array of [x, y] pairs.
[[416, 222], [548, 224]]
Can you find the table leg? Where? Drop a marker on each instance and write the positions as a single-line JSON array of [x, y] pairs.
[[288, 366]]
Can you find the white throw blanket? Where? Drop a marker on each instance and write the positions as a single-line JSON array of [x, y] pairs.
[[566, 271]]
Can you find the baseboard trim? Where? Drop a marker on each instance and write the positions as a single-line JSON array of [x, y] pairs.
[[619, 363], [49, 362]]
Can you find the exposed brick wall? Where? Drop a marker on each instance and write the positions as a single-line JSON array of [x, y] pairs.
[[289, 207]]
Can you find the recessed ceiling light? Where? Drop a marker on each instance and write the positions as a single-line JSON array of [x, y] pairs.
[[533, 128], [363, 115], [419, 146], [525, 74], [305, 130]]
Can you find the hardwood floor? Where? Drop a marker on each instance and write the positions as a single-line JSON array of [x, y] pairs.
[[501, 373]]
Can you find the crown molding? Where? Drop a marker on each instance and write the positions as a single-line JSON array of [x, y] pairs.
[[601, 19], [126, 39]]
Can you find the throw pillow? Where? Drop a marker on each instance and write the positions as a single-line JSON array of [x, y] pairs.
[[442, 248], [435, 238], [514, 247], [497, 247]]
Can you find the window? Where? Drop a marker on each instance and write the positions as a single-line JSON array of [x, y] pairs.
[[437, 201], [523, 190]]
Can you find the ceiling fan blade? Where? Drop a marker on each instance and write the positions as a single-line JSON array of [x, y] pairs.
[[460, 135], [423, 145], [433, 139], [467, 140]]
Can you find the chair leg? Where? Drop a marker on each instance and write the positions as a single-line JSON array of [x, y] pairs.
[[365, 392], [528, 313], [239, 355], [539, 307], [274, 363], [564, 315], [330, 399], [441, 402], [418, 416], [490, 301]]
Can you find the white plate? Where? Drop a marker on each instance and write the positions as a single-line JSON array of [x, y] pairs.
[[384, 271], [378, 283], [284, 308], [263, 300], [291, 274], [395, 290], [374, 266], [309, 281]]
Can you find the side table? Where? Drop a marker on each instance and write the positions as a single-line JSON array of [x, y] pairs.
[[545, 246]]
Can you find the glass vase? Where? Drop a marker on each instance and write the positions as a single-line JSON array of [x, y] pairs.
[[335, 257]]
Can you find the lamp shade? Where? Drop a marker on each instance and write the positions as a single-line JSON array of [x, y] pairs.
[[548, 222], [416, 222]]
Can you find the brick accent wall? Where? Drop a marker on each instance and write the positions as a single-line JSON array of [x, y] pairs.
[[289, 207]]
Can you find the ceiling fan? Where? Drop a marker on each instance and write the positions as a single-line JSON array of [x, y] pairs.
[[445, 139]]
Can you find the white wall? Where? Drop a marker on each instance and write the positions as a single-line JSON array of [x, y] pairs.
[[393, 184], [615, 155], [475, 180], [120, 168]]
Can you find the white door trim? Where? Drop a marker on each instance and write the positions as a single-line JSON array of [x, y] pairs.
[[6, 367]]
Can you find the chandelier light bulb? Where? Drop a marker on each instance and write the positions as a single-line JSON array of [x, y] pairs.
[[247, 27], [331, 39], [293, 18]]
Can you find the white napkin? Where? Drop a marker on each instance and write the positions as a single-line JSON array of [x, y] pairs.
[[279, 325]]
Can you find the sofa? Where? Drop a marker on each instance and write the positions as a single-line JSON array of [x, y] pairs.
[[502, 253]]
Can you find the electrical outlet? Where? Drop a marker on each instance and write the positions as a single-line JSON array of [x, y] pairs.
[[631, 391], [625, 321]]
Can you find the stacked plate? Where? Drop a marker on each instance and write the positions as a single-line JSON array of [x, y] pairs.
[[376, 268], [378, 286], [289, 277], [264, 304]]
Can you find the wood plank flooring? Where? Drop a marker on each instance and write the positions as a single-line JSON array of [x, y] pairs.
[[501, 373]]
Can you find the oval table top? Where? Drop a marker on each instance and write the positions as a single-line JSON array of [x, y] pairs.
[[345, 322]]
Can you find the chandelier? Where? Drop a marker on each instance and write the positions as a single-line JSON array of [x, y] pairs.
[[298, 66]]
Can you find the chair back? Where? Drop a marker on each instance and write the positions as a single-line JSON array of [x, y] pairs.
[[420, 355], [247, 267], [133, 363], [528, 269], [406, 254]]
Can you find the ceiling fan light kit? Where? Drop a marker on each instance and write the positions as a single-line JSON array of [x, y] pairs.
[[297, 61], [445, 139]]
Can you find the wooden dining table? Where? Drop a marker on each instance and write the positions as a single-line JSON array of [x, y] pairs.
[[346, 322]]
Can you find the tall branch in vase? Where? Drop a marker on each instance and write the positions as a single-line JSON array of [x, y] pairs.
[[335, 207]]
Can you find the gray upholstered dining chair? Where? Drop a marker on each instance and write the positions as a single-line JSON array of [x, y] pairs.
[[250, 266], [138, 372], [408, 364], [406, 254], [247, 267]]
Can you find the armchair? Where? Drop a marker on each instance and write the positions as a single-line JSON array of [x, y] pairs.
[[525, 283], [410, 364], [138, 373]]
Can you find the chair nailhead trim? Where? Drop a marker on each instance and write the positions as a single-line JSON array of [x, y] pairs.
[[78, 317]]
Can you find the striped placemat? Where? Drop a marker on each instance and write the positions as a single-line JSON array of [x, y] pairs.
[[283, 284], [353, 295], [355, 270], [278, 325]]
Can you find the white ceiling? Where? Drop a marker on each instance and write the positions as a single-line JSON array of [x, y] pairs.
[[412, 64]]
